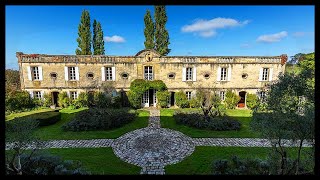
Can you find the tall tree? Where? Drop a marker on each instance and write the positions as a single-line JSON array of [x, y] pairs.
[[161, 34], [148, 31], [98, 43], [84, 32]]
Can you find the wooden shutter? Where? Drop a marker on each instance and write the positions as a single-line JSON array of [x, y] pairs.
[[41, 92], [229, 73], [260, 74], [31, 94], [40, 73], [184, 72], [194, 76], [77, 73], [219, 74], [113, 70], [103, 75], [68, 93], [66, 73], [270, 74], [29, 73]]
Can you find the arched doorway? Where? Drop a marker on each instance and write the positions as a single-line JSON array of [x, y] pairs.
[[242, 102]]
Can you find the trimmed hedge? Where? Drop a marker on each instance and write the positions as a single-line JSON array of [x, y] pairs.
[[44, 118], [195, 118], [100, 119]]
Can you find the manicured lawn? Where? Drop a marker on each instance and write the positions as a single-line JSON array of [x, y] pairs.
[[100, 161], [16, 115], [55, 131], [200, 162], [243, 116]]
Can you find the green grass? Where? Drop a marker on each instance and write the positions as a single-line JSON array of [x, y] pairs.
[[16, 115], [243, 116], [99, 161], [200, 162], [55, 131]]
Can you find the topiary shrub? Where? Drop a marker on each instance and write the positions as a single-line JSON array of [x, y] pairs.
[[47, 99], [162, 97], [116, 102], [134, 99], [64, 100], [195, 118], [44, 118], [252, 101], [231, 100], [237, 166], [181, 99], [100, 119], [47, 164]]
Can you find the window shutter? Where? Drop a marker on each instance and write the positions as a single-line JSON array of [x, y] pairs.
[[31, 94], [260, 74], [68, 93], [77, 73], [41, 94], [193, 94], [184, 70], [113, 69], [29, 73], [40, 73], [219, 74], [229, 73], [194, 76], [103, 76], [270, 74], [66, 73], [78, 92]]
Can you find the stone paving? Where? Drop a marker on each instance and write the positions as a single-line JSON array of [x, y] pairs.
[[153, 147]]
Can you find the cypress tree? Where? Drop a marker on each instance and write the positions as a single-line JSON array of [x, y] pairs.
[[98, 43], [161, 34], [148, 31], [84, 32]]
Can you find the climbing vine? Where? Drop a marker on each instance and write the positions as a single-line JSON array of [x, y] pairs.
[[139, 86]]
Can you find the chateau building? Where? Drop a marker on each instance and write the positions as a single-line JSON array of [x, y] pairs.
[[41, 73]]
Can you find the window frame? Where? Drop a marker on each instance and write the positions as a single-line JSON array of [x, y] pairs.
[[265, 74], [223, 74], [73, 95], [148, 73], [188, 94], [222, 97], [72, 73], [35, 73], [37, 95], [189, 74]]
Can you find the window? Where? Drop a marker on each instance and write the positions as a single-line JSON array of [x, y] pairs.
[[207, 76], [108, 73], [223, 74], [148, 74], [189, 74], [171, 75], [37, 94], [72, 73], [262, 95], [222, 95], [244, 76], [265, 74], [53, 75], [73, 94], [35, 73], [124, 75], [90, 75], [188, 93]]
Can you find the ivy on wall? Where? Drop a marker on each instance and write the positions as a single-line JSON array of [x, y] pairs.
[[139, 86]]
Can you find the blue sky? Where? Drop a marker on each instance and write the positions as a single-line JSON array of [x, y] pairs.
[[193, 30]]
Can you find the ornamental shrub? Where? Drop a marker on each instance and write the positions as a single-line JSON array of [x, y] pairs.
[[252, 101], [64, 100], [47, 101], [82, 100], [231, 100], [100, 119], [19, 100], [194, 103], [181, 99], [101, 100], [134, 99], [162, 97]]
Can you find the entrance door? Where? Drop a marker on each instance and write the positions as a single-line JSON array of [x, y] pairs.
[[145, 99], [172, 99], [242, 102], [55, 98]]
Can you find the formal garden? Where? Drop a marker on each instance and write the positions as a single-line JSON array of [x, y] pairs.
[[287, 112]]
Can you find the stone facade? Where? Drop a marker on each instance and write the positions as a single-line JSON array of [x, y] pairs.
[[242, 73]]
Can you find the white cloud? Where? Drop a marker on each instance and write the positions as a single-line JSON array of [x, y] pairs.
[[270, 38], [115, 39], [207, 28]]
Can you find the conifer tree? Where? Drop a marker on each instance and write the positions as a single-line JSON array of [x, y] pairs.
[[161, 34], [148, 31], [98, 43], [84, 32]]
